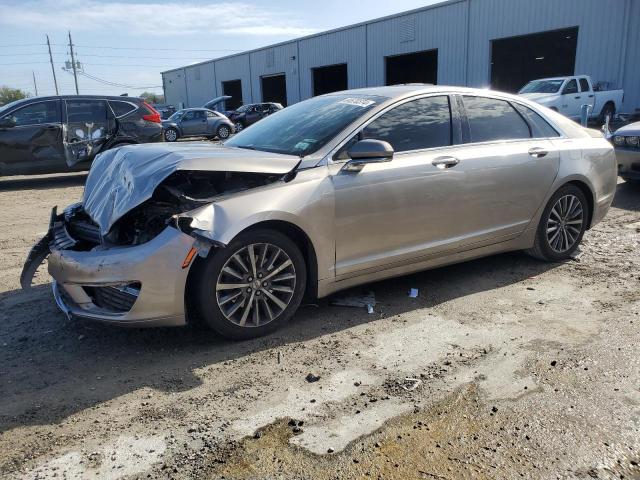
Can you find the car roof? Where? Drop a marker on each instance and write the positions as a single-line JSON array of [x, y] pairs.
[[90, 97], [411, 89]]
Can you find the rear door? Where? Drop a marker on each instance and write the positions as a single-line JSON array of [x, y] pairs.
[[34, 144], [571, 99], [509, 163], [89, 125]]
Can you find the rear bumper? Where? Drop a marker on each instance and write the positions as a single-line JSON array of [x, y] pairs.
[[154, 267]]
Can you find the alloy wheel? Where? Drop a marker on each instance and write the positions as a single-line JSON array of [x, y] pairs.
[[565, 223], [223, 132], [256, 285], [170, 135], [239, 127]]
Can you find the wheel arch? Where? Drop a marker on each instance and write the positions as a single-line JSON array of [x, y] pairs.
[[588, 193], [294, 232]]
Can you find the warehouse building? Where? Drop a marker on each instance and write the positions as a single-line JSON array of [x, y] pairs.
[[501, 44]]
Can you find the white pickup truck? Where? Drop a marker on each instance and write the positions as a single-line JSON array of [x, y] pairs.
[[567, 95]]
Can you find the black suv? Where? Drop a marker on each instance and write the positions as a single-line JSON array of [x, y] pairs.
[[64, 133], [251, 113]]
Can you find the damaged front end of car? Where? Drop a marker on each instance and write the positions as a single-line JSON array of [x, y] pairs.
[[123, 254]]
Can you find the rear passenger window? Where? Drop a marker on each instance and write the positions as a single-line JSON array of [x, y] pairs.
[[540, 128], [491, 120], [120, 109], [418, 124]]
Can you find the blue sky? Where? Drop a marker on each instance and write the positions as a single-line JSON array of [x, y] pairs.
[[130, 43]]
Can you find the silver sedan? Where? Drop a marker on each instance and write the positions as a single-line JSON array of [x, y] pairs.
[[336, 191]]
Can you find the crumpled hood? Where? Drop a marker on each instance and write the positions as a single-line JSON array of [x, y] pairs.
[[122, 178], [632, 129]]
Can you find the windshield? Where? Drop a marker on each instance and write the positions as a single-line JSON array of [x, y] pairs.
[[305, 127], [176, 116], [542, 86]]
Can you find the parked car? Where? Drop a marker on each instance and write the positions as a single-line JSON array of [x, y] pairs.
[[626, 141], [165, 111], [65, 133], [567, 95], [332, 192], [197, 122], [251, 113]]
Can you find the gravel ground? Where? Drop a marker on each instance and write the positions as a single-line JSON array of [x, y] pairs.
[[501, 368]]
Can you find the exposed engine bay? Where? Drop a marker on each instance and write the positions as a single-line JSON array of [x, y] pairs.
[[181, 192]]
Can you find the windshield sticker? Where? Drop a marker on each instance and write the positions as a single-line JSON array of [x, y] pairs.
[[358, 102], [301, 146]]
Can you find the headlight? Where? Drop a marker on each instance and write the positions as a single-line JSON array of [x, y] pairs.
[[618, 140], [632, 141]]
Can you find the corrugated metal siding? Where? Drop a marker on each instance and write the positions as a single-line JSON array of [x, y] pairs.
[[631, 67], [345, 46], [235, 68], [599, 33], [201, 86], [441, 28], [270, 61], [175, 89], [461, 31]]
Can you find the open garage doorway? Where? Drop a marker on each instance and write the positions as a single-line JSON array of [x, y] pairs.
[[233, 88], [274, 88], [417, 67], [332, 78], [517, 60]]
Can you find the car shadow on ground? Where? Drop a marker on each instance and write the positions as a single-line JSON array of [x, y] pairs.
[[42, 182], [51, 367]]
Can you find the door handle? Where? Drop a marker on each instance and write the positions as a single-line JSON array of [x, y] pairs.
[[591, 96], [577, 97], [537, 152], [445, 162]]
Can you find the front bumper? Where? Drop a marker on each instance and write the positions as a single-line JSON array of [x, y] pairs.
[[628, 162], [154, 267]]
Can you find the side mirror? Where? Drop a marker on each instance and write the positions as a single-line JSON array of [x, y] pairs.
[[368, 151], [8, 122]]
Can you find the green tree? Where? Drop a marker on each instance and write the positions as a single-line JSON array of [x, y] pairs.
[[151, 97], [8, 95]]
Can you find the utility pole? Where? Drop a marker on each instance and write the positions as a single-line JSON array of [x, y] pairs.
[[35, 85], [53, 70], [73, 64]]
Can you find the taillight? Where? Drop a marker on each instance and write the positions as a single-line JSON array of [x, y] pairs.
[[154, 116]]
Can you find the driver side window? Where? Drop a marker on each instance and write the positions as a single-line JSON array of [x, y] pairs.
[[571, 87], [189, 116], [414, 125]]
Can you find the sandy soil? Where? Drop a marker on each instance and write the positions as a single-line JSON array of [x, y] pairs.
[[501, 368]]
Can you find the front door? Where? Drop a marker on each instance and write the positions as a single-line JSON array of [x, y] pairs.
[[34, 143], [194, 122], [395, 211]]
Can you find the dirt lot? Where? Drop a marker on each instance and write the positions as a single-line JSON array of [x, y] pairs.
[[501, 368]]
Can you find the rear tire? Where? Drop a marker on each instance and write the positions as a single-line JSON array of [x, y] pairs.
[[608, 109], [240, 301], [171, 135], [224, 131], [562, 225]]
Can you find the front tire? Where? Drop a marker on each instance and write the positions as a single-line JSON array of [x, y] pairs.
[[562, 225], [608, 110], [171, 135], [253, 286]]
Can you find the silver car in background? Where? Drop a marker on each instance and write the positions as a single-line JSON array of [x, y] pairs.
[[626, 141], [336, 191]]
